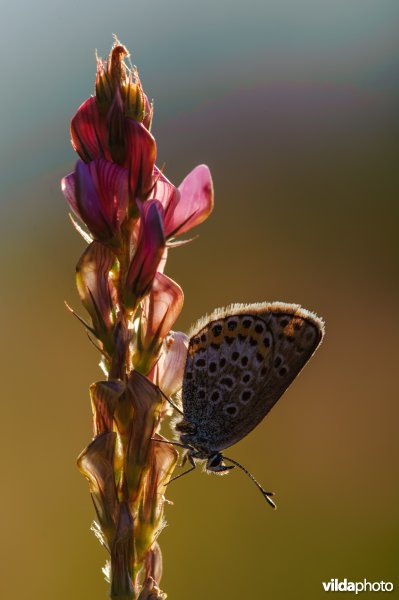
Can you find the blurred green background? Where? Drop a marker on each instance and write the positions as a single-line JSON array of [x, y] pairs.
[[293, 105]]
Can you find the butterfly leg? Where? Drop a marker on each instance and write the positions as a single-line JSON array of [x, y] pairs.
[[173, 405], [171, 443], [190, 459]]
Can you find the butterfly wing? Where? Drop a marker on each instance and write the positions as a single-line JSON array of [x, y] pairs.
[[238, 366]]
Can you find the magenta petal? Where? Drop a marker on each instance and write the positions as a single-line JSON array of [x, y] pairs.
[[141, 155], [116, 129], [193, 203], [89, 203], [163, 189], [111, 182], [149, 252], [68, 189], [89, 132], [98, 194], [162, 307]]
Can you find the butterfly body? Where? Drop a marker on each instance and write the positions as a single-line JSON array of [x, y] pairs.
[[240, 361]]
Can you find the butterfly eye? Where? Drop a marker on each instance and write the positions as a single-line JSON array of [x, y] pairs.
[[215, 461]]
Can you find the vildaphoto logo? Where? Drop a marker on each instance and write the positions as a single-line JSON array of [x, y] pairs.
[[334, 585]]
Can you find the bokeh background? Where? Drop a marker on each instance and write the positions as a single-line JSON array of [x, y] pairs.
[[293, 105]]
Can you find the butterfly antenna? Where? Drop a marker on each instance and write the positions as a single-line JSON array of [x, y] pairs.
[[265, 494]]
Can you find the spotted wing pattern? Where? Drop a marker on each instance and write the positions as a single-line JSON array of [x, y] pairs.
[[238, 366]]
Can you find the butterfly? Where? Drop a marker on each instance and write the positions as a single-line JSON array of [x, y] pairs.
[[240, 360]]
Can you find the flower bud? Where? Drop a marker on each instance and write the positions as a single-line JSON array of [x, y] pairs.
[[149, 251], [114, 76], [98, 194], [117, 130]]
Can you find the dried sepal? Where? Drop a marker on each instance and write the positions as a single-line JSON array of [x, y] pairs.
[[122, 553], [162, 460], [154, 563], [95, 273], [136, 417], [161, 307], [151, 591], [104, 399], [96, 463]]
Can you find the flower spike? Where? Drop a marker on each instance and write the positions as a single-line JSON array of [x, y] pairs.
[[129, 214]]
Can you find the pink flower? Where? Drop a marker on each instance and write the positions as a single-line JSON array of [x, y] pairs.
[[95, 135], [161, 307], [188, 205], [98, 194], [169, 370], [140, 160], [149, 251], [89, 132]]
